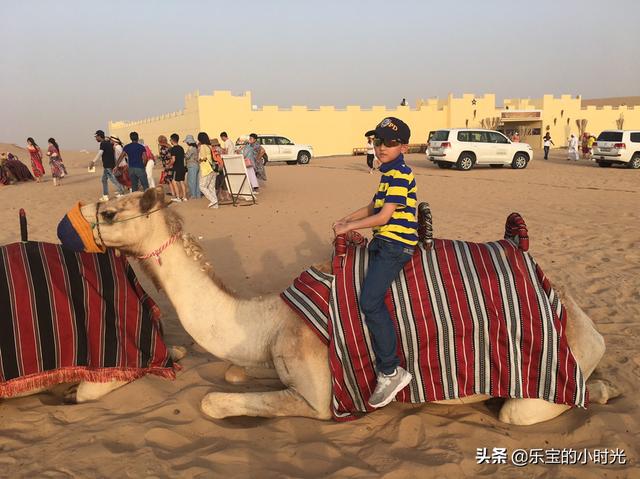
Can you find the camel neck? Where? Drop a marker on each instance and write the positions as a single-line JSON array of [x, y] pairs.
[[212, 316]]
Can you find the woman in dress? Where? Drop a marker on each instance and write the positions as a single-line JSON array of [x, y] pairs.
[[164, 153], [58, 171], [36, 158], [207, 174]]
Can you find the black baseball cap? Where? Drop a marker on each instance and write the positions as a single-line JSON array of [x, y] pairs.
[[392, 128], [100, 133]]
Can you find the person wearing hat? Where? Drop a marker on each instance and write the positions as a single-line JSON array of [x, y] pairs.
[[193, 167], [392, 215], [106, 153]]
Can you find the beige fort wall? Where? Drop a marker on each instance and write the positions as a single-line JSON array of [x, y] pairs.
[[333, 131]]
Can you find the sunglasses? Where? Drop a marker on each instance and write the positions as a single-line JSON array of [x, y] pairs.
[[387, 143]]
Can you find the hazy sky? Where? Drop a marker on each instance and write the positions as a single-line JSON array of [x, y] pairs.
[[69, 66]]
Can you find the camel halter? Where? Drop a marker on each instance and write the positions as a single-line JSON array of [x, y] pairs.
[[157, 252], [96, 224]]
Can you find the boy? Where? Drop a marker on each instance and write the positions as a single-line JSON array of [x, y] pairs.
[[179, 170], [392, 215]]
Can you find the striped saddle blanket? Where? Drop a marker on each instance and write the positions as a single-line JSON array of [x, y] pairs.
[[471, 318], [69, 317]]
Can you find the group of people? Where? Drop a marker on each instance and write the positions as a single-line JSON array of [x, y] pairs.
[[198, 171], [12, 170], [581, 148]]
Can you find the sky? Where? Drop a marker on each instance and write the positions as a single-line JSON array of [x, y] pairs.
[[70, 66]]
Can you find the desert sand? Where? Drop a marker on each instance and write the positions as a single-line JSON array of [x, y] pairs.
[[583, 224]]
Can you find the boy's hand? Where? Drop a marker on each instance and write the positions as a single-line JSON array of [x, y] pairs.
[[341, 228]]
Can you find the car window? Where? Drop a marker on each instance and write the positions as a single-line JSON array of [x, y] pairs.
[[635, 137], [268, 140], [283, 141], [478, 136], [610, 136], [440, 135], [463, 136], [495, 137]]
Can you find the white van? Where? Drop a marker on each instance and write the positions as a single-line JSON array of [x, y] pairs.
[[466, 147], [618, 146]]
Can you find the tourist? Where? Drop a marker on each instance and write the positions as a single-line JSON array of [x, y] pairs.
[[228, 148], [371, 154], [392, 214], [207, 174], [193, 167], [572, 152], [177, 165], [136, 156], [253, 153], [515, 138], [121, 171], [58, 171], [106, 152], [584, 145], [148, 166], [590, 142], [547, 145], [36, 159], [164, 154], [403, 102]]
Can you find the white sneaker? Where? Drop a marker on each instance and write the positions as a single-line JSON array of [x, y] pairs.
[[103, 198], [119, 195], [176, 200], [388, 386], [213, 205]]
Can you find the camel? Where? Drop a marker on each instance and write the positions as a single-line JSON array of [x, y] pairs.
[[263, 337]]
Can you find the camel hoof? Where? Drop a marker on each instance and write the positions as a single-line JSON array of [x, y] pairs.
[[70, 396], [177, 352], [601, 391], [236, 375], [213, 407]]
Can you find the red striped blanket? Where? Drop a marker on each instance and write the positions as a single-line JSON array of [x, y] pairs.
[[68, 317], [471, 318]]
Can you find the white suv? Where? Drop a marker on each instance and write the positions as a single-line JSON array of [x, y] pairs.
[[279, 148], [467, 147], [618, 146]]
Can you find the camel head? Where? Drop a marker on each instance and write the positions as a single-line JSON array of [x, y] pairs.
[[131, 223]]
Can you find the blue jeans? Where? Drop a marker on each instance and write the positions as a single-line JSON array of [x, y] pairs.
[[193, 177], [138, 174], [386, 260], [107, 175]]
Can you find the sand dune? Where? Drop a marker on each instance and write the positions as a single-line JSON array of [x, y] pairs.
[[583, 225]]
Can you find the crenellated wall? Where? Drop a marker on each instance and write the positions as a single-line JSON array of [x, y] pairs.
[[332, 130]]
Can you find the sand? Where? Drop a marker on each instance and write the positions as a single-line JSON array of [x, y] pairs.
[[583, 225]]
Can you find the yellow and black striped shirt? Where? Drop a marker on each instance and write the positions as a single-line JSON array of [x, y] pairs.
[[397, 186]]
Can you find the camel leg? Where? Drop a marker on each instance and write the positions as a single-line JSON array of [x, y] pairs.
[[287, 402], [587, 346], [238, 374], [301, 362], [90, 391]]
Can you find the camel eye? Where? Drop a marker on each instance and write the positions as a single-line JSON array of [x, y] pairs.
[[108, 215]]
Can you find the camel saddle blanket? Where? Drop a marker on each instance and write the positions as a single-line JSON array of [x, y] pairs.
[[471, 318], [70, 317]]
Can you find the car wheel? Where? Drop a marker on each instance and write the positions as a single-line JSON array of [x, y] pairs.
[[496, 166], [445, 165], [466, 161], [519, 161], [634, 164], [604, 164], [304, 158]]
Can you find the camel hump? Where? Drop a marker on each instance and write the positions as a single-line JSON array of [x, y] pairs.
[[516, 230], [425, 225]]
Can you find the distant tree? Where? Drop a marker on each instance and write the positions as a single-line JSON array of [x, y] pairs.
[[582, 126], [491, 123], [620, 122]]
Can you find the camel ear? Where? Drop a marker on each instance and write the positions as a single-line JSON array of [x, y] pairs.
[[152, 198]]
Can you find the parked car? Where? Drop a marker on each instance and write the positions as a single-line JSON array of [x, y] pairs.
[[279, 148], [618, 147], [466, 147]]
